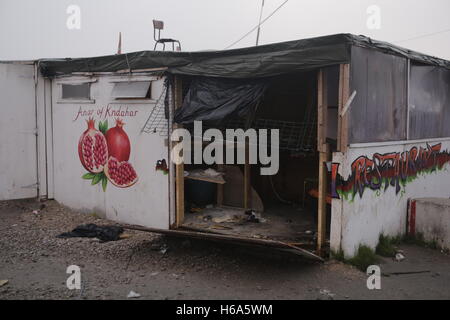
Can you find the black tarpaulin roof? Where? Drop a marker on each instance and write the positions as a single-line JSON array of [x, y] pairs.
[[252, 62]]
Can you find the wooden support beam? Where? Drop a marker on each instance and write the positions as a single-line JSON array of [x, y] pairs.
[[344, 92], [179, 168], [323, 148], [247, 182], [322, 201], [322, 112]]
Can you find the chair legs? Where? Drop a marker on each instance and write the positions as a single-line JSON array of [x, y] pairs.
[[164, 45]]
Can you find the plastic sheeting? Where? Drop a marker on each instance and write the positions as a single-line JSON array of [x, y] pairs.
[[90, 230], [215, 100], [379, 110], [430, 102], [253, 62]]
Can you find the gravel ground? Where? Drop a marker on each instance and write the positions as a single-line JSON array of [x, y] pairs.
[[34, 262]]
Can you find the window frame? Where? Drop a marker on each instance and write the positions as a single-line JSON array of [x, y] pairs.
[[62, 100], [134, 78]]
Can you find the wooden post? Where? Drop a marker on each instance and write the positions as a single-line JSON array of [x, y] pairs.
[[322, 111], [323, 148], [322, 201], [344, 94], [179, 168], [247, 182]]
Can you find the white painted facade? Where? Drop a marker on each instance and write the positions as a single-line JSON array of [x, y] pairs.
[[39, 140], [18, 143], [361, 221], [431, 219], [145, 203]]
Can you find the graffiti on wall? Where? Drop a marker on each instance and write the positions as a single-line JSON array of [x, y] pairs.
[[390, 170]]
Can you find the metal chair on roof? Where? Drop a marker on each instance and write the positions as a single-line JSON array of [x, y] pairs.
[[159, 25]]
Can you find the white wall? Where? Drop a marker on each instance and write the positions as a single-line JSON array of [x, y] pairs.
[[18, 160], [360, 219], [431, 219], [146, 203]]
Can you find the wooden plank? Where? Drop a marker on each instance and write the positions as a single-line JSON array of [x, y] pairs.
[[322, 201], [345, 97], [323, 149], [344, 92], [179, 168], [247, 182], [348, 103], [322, 105], [232, 239], [340, 107]]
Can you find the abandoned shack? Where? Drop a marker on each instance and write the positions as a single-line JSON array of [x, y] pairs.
[[363, 127]]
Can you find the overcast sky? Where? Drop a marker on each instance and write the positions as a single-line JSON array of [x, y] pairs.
[[32, 29]]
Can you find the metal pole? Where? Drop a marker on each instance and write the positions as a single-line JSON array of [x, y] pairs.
[[259, 23]]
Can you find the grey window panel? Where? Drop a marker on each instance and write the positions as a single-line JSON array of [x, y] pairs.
[[379, 111], [429, 102], [134, 90], [80, 91]]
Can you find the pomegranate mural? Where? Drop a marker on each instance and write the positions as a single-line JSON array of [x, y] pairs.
[[92, 149], [104, 153]]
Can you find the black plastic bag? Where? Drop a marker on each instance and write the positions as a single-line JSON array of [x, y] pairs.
[[104, 233]]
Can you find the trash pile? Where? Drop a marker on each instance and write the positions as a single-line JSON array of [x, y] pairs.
[[103, 233]]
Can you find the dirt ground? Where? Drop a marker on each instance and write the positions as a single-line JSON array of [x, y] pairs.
[[34, 262]]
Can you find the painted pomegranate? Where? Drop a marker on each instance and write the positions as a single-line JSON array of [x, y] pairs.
[[120, 173], [118, 142], [92, 148]]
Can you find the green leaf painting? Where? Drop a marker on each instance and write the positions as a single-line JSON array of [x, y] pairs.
[[103, 126], [104, 182], [88, 176], [96, 178]]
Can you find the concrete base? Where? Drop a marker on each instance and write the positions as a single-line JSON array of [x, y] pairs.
[[431, 218]]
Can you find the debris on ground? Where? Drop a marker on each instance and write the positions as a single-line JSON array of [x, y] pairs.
[[406, 272], [225, 218], [326, 294], [161, 247], [253, 216], [133, 294], [221, 227], [399, 257], [164, 249], [3, 282], [90, 230], [195, 209], [31, 259]]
